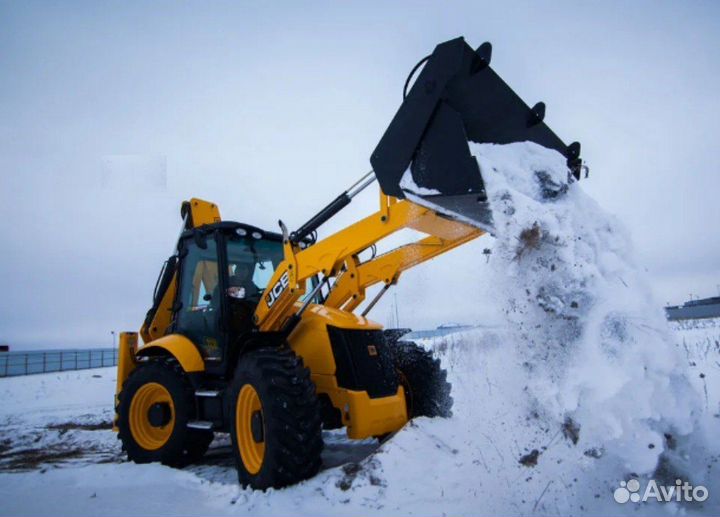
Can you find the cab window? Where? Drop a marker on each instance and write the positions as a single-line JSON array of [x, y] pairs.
[[199, 280], [263, 256]]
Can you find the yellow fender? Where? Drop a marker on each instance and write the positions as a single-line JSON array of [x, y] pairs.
[[180, 347]]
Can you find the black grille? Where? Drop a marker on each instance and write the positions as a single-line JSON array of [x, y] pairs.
[[363, 361]]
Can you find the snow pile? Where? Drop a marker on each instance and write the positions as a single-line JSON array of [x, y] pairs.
[[593, 347]]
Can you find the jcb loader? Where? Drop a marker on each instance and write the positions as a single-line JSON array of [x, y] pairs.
[[256, 334]]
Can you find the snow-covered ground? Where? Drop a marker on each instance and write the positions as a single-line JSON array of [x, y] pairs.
[[58, 455], [583, 386]]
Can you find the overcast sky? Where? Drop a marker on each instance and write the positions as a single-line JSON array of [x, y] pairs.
[[111, 113]]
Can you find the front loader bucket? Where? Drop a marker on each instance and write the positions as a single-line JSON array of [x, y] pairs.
[[457, 98]]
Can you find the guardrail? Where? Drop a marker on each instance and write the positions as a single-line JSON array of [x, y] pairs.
[[27, 363]]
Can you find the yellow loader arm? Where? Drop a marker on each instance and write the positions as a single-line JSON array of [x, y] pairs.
[[337, 256]]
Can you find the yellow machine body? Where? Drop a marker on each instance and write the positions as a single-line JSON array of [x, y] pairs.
[[362, 416], [336, 256]]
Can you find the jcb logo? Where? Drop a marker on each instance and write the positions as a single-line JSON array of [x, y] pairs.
[[277, 289]]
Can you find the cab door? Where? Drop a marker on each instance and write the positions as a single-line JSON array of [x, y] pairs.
[[199, 298]]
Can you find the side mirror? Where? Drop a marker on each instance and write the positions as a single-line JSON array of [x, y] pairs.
[[207, 297]]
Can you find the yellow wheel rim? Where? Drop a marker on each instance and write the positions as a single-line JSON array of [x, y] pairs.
[[148, 436], [247, 408]]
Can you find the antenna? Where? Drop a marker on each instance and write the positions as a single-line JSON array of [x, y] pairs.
[[397, 316]]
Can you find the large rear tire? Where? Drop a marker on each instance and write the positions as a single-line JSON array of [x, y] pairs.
[[427, 391], [154, 407], [275, 419]]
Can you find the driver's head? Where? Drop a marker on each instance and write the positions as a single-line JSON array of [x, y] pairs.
[[243, 272]]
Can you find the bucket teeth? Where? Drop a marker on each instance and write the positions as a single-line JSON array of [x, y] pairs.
[[574, 162], [483, 56], [537, 114]]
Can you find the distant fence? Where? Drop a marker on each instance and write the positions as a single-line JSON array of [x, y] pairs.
[[26, 363]]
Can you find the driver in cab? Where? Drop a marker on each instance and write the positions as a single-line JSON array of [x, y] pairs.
[[241, 285], [244, 296]]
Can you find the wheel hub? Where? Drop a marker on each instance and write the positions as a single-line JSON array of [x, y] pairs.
[[256, 426], [159, 414]]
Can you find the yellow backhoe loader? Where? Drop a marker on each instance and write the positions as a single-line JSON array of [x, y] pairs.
[[256, 334]]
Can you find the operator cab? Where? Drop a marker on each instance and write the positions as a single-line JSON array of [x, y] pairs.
[[223, 271]]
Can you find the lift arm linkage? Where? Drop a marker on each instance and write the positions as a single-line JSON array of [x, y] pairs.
[[337, 256]]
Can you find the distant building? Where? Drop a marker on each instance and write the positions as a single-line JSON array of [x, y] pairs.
[[442, 330], [695, 309], [4, 348]]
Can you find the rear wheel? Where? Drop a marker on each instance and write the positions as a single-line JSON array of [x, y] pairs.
[[154, 407], [427, 391], [275, 420]]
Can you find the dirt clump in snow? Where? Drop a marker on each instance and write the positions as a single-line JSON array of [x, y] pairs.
[[64, 427], [354, 470], [530, 459], [31, 459]]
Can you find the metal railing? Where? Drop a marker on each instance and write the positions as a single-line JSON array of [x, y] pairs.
[[27, 363]]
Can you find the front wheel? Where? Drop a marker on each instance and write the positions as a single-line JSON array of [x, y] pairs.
[[275, 423], [154, 407], [427, 391]]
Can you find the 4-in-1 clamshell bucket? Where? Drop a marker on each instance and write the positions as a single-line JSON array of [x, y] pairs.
[[424, 153]]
